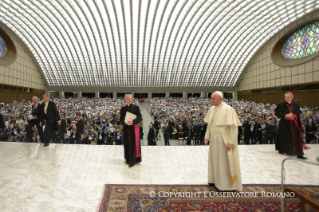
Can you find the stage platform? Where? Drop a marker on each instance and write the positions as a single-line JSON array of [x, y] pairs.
[[70, 177]]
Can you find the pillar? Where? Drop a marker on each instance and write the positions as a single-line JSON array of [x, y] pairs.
[[97, 94], [149, 95], [167, 94], [114, 95], [184, 95], [202, 94], [235, 95], [61, 94], [79, 94]]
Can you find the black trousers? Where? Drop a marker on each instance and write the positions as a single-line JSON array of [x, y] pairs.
[[31, 123], [258, 138], [60, 138], [49, 132], [166, 140], [189, 141], [246, 140], [78, 138], [202, 138], [197, 140], [271, 139]]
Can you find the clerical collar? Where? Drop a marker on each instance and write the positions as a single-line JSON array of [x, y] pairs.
[[221, 104], [289, 102]]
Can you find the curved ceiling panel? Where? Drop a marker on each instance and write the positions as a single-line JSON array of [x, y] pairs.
[[130, 43]]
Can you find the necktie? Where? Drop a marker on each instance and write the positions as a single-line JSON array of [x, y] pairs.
[[46, 107]]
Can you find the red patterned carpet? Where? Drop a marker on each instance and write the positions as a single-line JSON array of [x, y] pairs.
[[199, 198]]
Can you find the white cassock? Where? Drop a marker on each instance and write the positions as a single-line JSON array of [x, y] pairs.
[[223, 164]]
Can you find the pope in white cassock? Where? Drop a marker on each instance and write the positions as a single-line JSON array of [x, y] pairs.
[[223, 158]]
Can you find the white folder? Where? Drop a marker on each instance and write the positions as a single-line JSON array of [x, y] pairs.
[[129, 117]]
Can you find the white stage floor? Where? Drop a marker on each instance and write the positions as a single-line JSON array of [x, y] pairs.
[[66, 177]]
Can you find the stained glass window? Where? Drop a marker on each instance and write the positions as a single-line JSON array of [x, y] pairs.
[[3, 47], [302, 43]]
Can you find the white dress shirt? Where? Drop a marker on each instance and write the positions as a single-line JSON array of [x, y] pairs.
[[46, 107]]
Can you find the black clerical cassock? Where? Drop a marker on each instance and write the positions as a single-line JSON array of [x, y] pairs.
[[288, 139], [132, 145]]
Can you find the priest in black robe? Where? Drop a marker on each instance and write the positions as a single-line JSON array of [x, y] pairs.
[[289, 138], [131, 137]]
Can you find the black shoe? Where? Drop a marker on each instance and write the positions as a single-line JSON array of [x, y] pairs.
[[211, 184], [301, 157], [45, 145], [281, 153], [131, 165]]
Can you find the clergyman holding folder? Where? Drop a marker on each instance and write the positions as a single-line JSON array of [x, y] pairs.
[[131, 118]]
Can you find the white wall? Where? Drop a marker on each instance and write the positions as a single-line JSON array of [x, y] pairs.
[[263, 73], [23, 72]]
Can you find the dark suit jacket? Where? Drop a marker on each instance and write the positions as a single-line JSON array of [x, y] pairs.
[[196, 129], [2, 123], [62, 127], [80, 127], [310, 128], [151, 136], [240, 130], [52, 112], [38, 112], [269, 131], [203, 129], [257, 132], [247, 132], [166, 130]]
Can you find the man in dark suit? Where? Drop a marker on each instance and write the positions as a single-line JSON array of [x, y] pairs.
[[240, 132], [257, 132], [37, 117], [269, 132], [151, 136], [132, 145], [156, 126], [62, 129], [247, 132], [203, 127], [166, 134], [79, 129], [189, 133], [52, 119], [196, 132], [311, 130]]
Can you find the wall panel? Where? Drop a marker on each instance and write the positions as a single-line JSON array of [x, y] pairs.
[[304, 98]]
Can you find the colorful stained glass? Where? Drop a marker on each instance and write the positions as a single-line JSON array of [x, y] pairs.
[[3, 47], [302, 43]]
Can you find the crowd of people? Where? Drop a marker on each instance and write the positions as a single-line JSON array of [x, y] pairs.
[[184, 117], [259, 124], [100, 116]]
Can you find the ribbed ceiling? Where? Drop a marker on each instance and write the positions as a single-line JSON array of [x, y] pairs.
[[157, 43]]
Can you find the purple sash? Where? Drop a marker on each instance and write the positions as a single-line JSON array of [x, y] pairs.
[[137, 141], [303, 143]]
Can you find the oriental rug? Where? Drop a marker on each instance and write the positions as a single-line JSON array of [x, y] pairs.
[[254, 197]]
